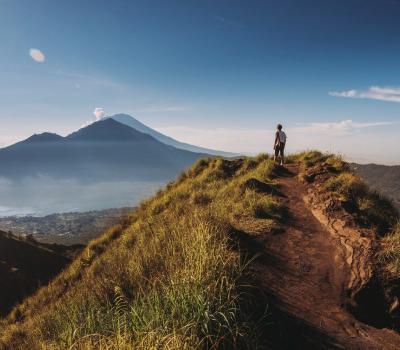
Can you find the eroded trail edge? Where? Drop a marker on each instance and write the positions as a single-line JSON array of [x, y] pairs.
[[317, 269]]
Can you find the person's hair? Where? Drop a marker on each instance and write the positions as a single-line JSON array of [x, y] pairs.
[[279, 126]]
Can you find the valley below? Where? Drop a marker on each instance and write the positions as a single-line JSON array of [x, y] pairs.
[[41, 196], [382, 178], [64, 228]]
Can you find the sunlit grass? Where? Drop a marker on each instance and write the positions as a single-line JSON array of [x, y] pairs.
[[165, 279], [389, 255], [168, 277]]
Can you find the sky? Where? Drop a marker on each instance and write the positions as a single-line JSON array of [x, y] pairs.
[[215, 73]]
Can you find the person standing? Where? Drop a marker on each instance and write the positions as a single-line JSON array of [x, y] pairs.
[[279, 144]]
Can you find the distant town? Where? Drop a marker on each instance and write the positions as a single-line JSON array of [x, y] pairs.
[[64, 228]]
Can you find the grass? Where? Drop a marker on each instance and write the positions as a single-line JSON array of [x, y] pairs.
[[371, 209], [389, 254], [166, 278], [169, 277]]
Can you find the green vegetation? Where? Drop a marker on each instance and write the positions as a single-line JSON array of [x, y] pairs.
[[389, 255], [167, 278], [171, 275], [371, 209], [309, 159]]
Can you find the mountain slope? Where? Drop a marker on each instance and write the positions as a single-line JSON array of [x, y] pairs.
[[105, 150], [167, 278], [383, 178], [25, 265], [134, 123], [177, 274]]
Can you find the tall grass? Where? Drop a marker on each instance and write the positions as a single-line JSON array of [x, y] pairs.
[[165, 279], [389, 254]]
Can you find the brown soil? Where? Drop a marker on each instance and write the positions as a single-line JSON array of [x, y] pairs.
[[318, 275]]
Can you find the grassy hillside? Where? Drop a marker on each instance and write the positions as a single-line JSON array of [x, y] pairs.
[[173, 276], [167, 278]]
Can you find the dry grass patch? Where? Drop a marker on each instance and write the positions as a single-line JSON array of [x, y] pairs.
[[389, 255]]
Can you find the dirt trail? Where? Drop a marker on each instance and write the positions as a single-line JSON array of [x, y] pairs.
[[306, 269]]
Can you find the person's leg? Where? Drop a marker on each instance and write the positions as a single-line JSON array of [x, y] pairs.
[[276, 153], [282, 149]]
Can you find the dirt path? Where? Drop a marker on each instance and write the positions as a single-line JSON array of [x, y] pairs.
[[300, 268]]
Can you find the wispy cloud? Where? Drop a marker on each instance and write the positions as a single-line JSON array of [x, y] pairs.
[[390, 94], [37, 55], [161, 109], [321, 135], [344, 127]]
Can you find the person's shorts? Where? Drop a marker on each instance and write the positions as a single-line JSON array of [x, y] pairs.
[[280, 149]]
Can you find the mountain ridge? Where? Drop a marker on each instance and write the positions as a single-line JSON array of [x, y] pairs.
[[136, 124], [105, 149], [108, 130], [382, 178]]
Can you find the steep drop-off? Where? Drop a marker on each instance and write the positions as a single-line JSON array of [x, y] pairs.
[[25, 265]]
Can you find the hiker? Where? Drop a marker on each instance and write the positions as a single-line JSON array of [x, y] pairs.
[[279, 144]]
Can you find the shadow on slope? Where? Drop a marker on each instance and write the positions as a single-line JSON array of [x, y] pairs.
[[25, 265]]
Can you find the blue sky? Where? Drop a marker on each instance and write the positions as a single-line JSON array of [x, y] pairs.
[[216, 73]]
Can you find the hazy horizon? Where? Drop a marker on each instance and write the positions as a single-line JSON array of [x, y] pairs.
[[320, 144], [40, 196]]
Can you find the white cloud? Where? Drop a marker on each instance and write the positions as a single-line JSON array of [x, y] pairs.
[[37, 55], [390, 94], [99, 113]]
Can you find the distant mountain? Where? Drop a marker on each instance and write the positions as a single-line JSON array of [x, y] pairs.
[[25, 265], [134, 123], [105, 150], [44, 137], [382, 178]]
